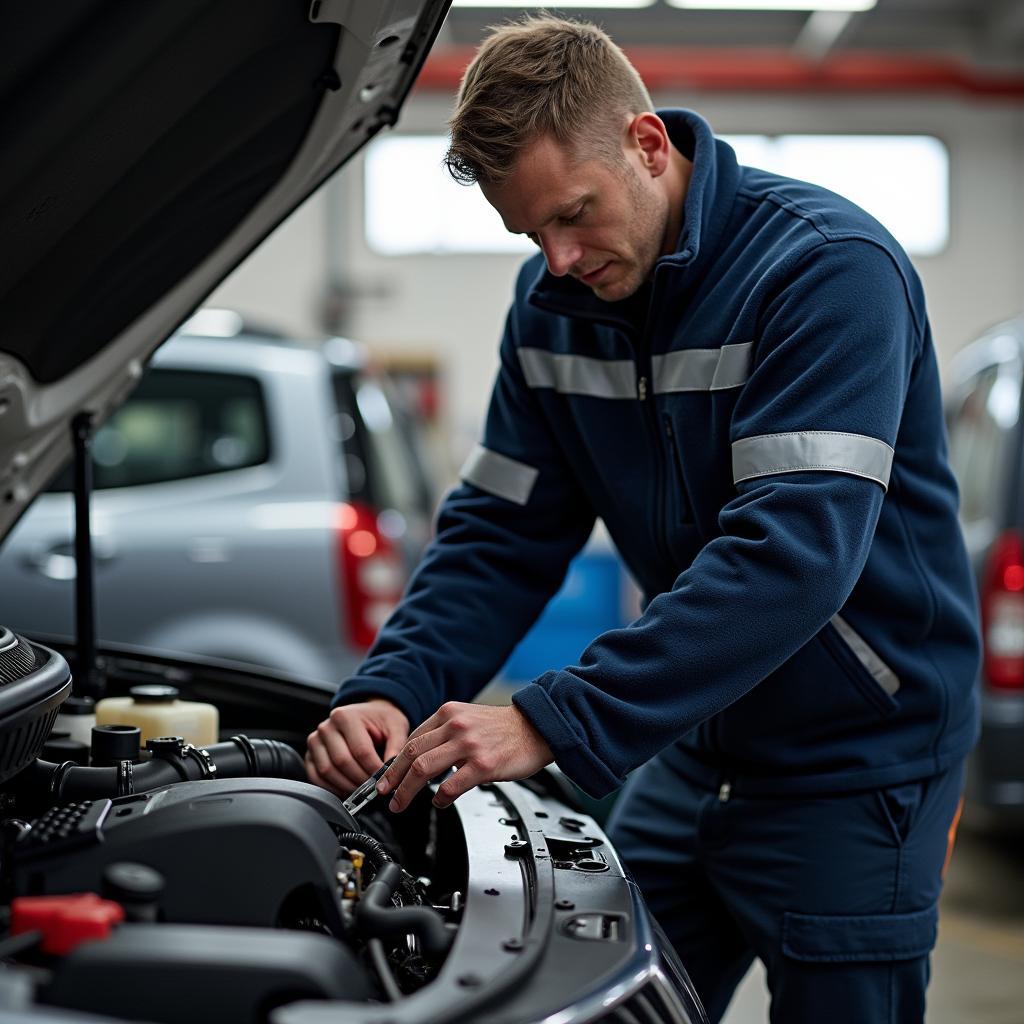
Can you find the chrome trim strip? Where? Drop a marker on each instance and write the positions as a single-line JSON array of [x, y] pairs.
[[499, 475], [702, 369], [819, 450], [579, 375], [880, 672]]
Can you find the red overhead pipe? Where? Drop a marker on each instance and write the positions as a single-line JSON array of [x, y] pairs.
[[762, 70]]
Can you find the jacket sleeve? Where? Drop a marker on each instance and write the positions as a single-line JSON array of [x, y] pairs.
[[504, 541], [812, 437]]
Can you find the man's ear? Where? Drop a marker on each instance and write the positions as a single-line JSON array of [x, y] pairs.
[[649, 136]]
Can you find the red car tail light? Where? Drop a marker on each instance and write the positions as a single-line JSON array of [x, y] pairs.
[[1002, 613], [372, 571]]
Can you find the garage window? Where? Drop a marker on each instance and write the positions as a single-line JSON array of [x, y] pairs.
[[902, 180], [412, 206]]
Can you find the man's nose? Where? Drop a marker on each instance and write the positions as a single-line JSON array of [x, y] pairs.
[[561, 254]]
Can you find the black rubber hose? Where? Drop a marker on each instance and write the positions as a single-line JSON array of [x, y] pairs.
[[377, 917], [374, 850], [273, 759], [239, 757], [377, 854]]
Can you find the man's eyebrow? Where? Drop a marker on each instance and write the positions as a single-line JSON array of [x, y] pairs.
[[558, 212]]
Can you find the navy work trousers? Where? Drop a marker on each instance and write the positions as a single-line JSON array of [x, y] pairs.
[[836, 895]]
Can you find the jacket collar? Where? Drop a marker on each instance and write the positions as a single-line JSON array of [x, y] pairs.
[[709, 200]]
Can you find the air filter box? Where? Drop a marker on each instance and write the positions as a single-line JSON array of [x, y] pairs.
[[34, 682]]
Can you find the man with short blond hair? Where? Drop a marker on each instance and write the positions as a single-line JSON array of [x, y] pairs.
[[542, 77], [735, 371]]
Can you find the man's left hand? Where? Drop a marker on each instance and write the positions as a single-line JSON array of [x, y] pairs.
[[485, 743]]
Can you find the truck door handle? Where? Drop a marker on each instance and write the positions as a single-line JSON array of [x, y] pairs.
[[58, 562]]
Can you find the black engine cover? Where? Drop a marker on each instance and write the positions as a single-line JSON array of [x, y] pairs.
[[256, 852], [176, 973]]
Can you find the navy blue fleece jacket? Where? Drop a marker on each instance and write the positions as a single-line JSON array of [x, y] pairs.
[[765, 444]]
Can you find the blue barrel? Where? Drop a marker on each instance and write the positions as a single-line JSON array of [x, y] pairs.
[[589, 603]]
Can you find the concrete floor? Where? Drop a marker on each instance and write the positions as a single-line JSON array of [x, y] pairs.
[[978, 965]]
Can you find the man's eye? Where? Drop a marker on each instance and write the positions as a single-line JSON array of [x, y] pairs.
[[575, 218]]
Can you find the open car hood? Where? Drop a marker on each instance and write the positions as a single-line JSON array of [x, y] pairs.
[[148, 148]]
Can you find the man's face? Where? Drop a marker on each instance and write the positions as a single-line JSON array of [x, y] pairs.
[[604, 225]]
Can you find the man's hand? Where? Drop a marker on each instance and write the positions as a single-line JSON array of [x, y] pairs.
[[341, 752], [486, 744]]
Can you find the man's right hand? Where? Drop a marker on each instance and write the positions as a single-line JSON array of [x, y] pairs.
[[342, 751]]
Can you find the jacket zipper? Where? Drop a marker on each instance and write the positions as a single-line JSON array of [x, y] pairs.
[[685, 513], [643, 394]]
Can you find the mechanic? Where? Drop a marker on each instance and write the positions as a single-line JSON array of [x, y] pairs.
[[735, 371]]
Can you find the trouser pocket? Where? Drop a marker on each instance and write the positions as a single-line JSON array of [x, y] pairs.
[[853, 969], [852, 938], [899, 807]]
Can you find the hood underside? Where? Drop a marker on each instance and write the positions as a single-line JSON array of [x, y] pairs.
[[148, 148]]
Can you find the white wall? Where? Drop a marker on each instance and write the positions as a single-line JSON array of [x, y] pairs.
[[455, 305]]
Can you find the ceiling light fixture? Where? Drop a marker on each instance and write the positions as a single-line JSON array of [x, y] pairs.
[[852, 6], [554, 3]]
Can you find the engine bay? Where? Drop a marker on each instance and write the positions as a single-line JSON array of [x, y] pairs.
[[166, 881], [121, 879]]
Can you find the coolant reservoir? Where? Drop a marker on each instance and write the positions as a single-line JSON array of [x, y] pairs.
[[157, 711], [76, 717]]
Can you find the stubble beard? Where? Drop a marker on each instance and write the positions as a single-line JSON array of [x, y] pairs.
[[649, 224]]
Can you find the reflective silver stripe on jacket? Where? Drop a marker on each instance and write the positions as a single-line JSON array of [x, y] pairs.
[[880, 672], [702, 369], [499, 475], [579, 375], [812, 450]]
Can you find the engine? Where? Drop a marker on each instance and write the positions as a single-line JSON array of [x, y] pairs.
[[123, 879]]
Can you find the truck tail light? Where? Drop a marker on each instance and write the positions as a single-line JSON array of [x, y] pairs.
[[372, 572], [1002, 613]]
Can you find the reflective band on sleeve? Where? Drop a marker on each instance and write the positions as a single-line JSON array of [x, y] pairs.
[[702, 369], [880, 672], [579, 375], [824, 450], [499, 475]]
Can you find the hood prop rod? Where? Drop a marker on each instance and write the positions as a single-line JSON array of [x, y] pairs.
[[89, 679]]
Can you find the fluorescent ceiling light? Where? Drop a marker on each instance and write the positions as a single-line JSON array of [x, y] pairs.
[[774, 5], [553, 4]]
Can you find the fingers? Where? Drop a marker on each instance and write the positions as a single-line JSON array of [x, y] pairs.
[[422, 758], [342, 776], [355, 735], [342, 750], [393, 745], [462, 781], [484, 744], [317, 779]]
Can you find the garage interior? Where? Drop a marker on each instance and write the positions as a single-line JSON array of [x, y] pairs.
[[913, 108]]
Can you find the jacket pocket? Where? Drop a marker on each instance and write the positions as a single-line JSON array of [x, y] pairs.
[[833, 938], [865, 669]]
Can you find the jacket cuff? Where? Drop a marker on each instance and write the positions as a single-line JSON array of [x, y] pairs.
[[359, 689], [572, 754]]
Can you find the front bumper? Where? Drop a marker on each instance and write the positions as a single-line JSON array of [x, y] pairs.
[[553, 931]]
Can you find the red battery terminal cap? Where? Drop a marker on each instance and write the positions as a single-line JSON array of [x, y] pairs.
[[65, 921]]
